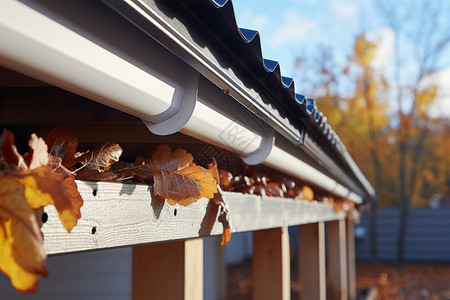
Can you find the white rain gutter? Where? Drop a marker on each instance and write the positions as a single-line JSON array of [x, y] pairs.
[[38, 46]]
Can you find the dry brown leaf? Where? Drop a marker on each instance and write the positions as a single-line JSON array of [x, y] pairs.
[[184, 186], [225, 178], [224, 215], [273, 189], [8, 151], [175, 188], [54, 163], [94, 175], [24, 188], [226, 236], [337, 207], [38, 154], [164, 153], [102, 157], [205, 179], [43, 187], [69, 209], [63, 143], [145, 170], [183, 156], [22, 256], [212, 167]]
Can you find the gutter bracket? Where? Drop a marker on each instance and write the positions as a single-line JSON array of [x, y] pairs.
[[265, 147], [180, 111]]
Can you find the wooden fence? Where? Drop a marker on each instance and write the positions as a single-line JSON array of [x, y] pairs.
[[427, 235]]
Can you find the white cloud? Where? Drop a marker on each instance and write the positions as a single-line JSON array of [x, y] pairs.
[[293, 30], [441, 105], [247, 19], [344, 10], [385, 38]]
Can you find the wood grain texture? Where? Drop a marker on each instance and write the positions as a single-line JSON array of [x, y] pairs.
[[351, 268], [170, 270], [312, 261], [336, 260], [271, 264], [118, 214]]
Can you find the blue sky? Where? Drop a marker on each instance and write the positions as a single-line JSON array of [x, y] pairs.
[[297, 28]]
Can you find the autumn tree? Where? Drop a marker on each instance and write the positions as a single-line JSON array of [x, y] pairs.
[[422, 35], [383, 115], [359, 115]]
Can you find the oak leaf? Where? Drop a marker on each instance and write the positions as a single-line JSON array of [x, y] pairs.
[[27, 183], [22, 256], [44, 179]]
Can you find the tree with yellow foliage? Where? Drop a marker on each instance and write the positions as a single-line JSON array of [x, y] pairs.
[[403, 153]]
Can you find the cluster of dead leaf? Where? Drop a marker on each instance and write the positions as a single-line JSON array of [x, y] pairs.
[[412, 281], [27, 183], [252, 182], [255, 183], [46, 175], [345, 205]]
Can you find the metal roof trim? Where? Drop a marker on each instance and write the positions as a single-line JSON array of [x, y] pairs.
[[244, 45]]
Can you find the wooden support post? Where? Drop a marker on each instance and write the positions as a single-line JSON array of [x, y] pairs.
[[336, 260], [312, 261], [171, 270], [351, 269], [271, 264]]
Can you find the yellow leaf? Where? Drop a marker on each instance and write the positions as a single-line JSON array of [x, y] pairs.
[[181, 186], [43, 187], [22, 256], [226, 236], [308, 193], [175, 187], [205, 179]]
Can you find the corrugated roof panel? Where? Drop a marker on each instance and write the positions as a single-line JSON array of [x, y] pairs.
[[211, 28]]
